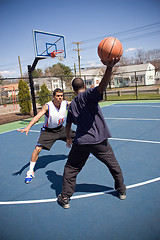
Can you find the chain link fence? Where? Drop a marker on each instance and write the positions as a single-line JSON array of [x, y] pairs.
[[123, 86]]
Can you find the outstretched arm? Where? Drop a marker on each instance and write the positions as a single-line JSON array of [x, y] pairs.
[[107, 75], [34, 120]]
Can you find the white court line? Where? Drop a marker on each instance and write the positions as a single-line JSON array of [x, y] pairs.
[[79, 196], [34, 131], [135, 119], [132, 105], [133, 140], [118, 139]]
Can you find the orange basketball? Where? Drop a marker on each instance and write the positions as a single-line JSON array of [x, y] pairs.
[[110, 48]]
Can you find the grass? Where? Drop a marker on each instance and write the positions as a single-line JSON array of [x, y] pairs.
[[144, 96]]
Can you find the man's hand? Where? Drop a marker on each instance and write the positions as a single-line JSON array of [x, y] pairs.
[[69, 142], [34, 120], [26, 130], [110, 64]]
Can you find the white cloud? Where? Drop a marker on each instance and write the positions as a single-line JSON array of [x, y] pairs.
[[130, 49], [7, 73], [94, 64]]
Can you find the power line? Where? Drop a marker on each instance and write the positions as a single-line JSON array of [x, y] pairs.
[[122, 33], [142, 28]]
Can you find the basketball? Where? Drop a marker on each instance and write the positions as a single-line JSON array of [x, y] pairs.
[[110, 48]]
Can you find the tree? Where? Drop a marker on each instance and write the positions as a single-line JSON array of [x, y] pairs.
[[24, 97], [60, 70], [44, 95], [37, 73], [1, 79], [140, 56]]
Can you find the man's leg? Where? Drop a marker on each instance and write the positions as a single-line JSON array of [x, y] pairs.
[[105, 154], [76, 160], [34, 158]]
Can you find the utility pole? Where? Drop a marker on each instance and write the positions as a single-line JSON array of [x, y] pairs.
[[74, 69], [78, 50], [20, 66]]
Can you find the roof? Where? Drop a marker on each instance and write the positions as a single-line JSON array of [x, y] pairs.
[[133, 68]]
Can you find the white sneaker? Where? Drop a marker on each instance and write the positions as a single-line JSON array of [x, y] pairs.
[[29, 177]]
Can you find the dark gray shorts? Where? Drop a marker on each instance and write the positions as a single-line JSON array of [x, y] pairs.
[[49, 136]]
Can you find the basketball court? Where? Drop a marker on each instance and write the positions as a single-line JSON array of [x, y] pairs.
[[30, 211]]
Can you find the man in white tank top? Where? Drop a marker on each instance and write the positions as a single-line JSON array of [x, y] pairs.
[[52, 130]]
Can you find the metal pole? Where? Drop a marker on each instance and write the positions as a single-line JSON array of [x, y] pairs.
[[136, 81], [62, 83], [30, 70], [32, 89]]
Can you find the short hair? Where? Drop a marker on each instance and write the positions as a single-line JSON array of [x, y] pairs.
[[57, 90], [77, 84]]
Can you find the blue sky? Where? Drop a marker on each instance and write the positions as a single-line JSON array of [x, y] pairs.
[[86, 21]]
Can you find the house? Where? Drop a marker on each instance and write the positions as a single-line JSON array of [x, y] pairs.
[[144, 74], [157, 77], [51, 83], [92, 76]]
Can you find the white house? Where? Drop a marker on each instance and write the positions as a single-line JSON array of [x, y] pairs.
[[122, 76], [92, 76], [51, 83], [127, 75]]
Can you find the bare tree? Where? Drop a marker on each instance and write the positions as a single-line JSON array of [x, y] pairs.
[[140, 56]]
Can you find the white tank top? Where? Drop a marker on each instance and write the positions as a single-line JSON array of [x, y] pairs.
[[56, 117]]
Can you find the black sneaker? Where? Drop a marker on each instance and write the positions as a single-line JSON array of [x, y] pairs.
[[122, 196], [63, 202]]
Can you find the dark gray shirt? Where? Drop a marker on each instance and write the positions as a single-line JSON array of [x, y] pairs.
[[85, 112]]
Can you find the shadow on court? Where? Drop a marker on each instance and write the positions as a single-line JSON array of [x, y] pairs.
[[56, 185], [42, 162]]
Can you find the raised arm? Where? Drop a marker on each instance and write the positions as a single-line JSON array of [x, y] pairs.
[[107, 75], [34, 120]]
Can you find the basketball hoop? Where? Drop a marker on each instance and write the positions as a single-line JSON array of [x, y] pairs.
[[55, 52]]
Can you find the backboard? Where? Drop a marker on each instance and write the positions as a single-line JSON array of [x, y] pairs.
[[49, 45]]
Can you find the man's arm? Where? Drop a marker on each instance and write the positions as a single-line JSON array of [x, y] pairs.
[[107, 75], [35, 119], [68, 136]]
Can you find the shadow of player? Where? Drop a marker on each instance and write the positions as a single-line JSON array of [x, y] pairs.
[[56, 184], [42, 162]]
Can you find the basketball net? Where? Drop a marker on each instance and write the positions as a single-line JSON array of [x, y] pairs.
[[57, 54]]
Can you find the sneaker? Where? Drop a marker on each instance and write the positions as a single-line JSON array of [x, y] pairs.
[[29, 177], [122, 196], [63, 202]]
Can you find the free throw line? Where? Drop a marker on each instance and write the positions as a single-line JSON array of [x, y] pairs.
[[118, 139]]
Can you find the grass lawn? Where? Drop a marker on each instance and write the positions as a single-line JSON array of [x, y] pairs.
[[142, 96]]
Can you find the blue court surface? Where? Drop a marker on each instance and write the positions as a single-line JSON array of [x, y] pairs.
[[30, 211]]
